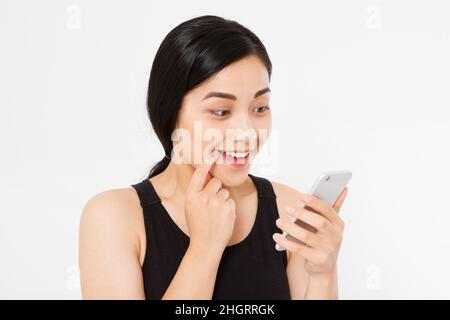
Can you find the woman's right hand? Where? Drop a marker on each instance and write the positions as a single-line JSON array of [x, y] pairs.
[[210, 213]]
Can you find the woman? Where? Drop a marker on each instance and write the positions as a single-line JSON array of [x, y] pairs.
[[203, 227]]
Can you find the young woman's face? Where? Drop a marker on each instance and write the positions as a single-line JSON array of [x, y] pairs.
[[228, 113]]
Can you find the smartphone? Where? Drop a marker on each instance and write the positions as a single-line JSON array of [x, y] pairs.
[[328, 187]]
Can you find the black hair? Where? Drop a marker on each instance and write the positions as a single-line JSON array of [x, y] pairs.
[[191, 53]]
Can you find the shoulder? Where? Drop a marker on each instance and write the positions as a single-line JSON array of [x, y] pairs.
[[112, 216], [286, 195], [111, 206]]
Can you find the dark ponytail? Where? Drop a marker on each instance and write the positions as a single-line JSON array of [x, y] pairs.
[[159, 167], [190, 54]]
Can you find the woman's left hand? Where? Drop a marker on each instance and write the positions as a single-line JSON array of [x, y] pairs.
[[322, 246]]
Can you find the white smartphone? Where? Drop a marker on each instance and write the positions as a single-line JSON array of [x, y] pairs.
[[328, 187]]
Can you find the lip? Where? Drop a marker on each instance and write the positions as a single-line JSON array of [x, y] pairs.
[[237, 163], [236, 151]]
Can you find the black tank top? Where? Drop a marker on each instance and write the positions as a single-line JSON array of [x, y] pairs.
[[249, 269]]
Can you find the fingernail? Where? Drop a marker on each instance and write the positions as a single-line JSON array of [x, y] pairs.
[[290, 210], [307, 198], [279, 222], [276, 236]]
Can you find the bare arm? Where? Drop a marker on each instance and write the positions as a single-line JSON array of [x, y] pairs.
[[297, 276], [109, 251], [306, 287], [315, 278], [323, 286], [195, 277]]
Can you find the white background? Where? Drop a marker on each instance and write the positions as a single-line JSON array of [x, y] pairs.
[[359, 85]]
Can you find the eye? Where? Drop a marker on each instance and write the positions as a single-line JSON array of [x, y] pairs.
[[262, 109], [219, 113]]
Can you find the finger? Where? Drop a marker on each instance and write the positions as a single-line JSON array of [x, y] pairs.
[[292, 246], [310, 218], [321, 207], [298, 232], [200, 175], [340, 201], [223, 194], [213, 186]]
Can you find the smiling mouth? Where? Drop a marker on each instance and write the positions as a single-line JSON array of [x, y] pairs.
[[235, 154], [235, 158]]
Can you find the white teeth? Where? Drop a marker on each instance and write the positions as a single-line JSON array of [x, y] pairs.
[[236, 154]]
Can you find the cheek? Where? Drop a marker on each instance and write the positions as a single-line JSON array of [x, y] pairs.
[[201, 140], [212, 136], [263, 129]]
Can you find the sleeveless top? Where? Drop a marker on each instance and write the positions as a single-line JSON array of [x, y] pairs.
[[249, 269]]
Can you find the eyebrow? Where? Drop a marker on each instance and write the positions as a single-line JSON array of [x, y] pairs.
[[231, 96]]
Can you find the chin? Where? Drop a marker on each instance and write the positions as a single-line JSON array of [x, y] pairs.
[[230, 177], [232, 167]]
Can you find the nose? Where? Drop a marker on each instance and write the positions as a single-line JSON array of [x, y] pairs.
[[241, 121], [241, 132]]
